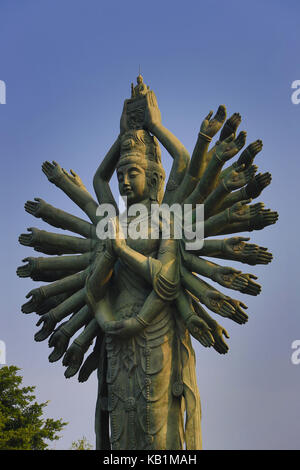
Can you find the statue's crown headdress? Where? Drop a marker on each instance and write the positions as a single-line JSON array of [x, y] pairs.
[[137, 144], [140, 144]]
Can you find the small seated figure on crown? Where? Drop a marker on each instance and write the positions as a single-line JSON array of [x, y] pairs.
[[141, 89]]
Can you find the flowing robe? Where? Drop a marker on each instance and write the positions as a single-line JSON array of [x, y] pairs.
[[147, 383]]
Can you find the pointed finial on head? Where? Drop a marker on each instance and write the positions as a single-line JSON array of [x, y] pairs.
[[139, 79]]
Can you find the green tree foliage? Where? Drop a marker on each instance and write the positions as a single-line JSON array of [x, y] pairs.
[[22, 426], [81, 444]]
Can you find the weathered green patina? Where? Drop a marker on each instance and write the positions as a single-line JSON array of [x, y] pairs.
[[140, 298]]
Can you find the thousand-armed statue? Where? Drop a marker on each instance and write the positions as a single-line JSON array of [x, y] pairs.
[[138, 299]]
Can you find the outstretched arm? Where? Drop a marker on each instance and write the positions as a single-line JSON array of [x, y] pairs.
[[260, 220], [253, 189], [58, 218], [239, 213], [96, 287], [209, 128], [74, 356], [224, 151], [198, 327], [223, 275], [234, 180], [71, 184], [55, 243], [246, 158], [236, 249], [217, 330], [229, 128], [104, 174], [213, 299], [174, 147], [100, 276]]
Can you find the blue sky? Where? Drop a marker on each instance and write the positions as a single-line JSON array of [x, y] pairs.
[[68, 66]]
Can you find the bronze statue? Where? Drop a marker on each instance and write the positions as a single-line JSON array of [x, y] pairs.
[[140, 298]]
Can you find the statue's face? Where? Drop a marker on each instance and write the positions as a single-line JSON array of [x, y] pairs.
[[133, 183]]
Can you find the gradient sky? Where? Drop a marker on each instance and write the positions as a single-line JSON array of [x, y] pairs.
[[68, 65]]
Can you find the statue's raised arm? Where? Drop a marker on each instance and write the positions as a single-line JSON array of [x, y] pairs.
[[140, 296]]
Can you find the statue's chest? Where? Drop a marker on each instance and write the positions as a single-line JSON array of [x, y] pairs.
[[143, 238], [147, 247]]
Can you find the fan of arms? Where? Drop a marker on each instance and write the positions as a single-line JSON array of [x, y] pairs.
[[227, 195]]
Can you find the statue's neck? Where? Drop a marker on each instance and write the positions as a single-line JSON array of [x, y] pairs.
[[146, 203]]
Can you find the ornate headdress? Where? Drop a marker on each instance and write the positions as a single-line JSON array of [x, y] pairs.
[[140, 147], [137, 144]]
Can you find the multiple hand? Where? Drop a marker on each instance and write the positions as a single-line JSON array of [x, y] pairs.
[[27, 269], [123, 121], [90, 364], [36, 299], [33, 239], [264, 218], [210, 126], [29, 239], [241, 212], [225, 306], [116, 239], [235, 248], [220, 345], [60, 342], [35, 208], [229, 147], [53, 171], [123, 328], [239, 315], [48, 304], [228, 277], [75, 179], [200, 330], [249, 153], [73, 359], [236, 280], [255, 187], [252, 288], [49, 324], [226, 148], [239, 177], [152, 112], [230, 126]]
